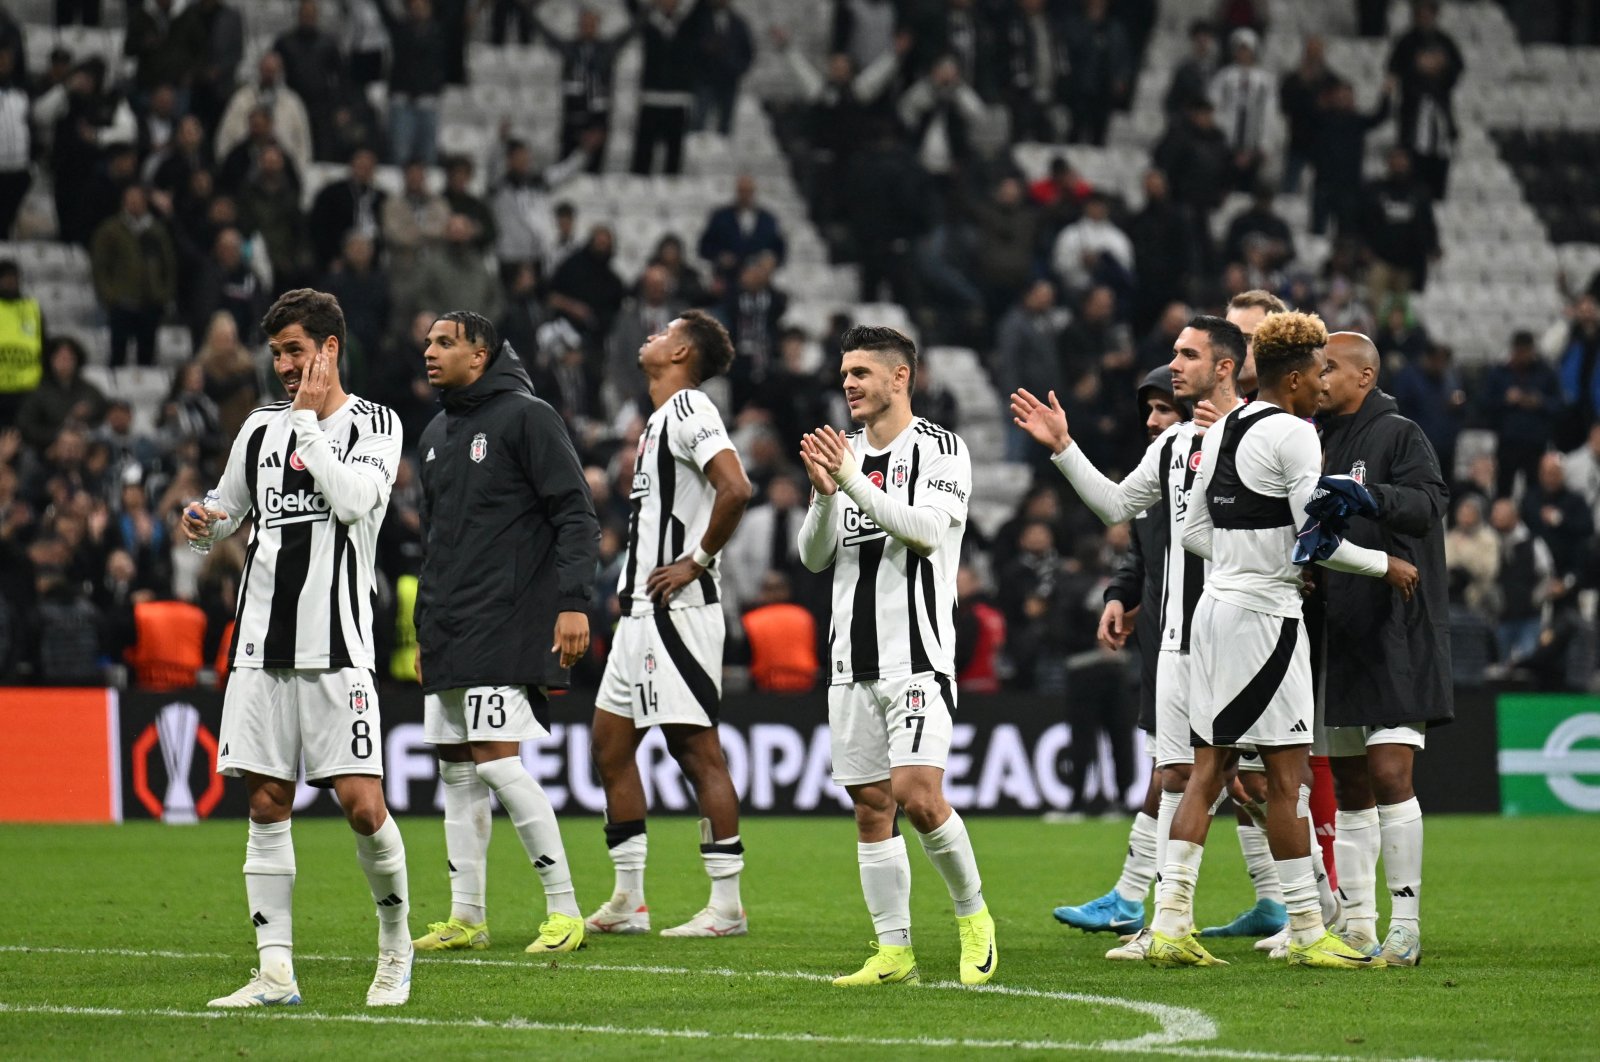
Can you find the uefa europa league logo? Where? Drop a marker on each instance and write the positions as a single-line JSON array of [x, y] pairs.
[[175, 730]]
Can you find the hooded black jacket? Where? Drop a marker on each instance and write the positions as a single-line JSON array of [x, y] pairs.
[[1137, 580], [509, 535], [1388, 660]]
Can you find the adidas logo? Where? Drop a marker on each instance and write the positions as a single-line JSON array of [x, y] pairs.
[[544, 861], [271, 461], [258, 919], [1298, 728], [430, 454], [390, 900], [452, 867], [224, 750], [1405, 893]]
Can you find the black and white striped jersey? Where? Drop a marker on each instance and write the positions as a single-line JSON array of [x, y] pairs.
[[1166, 472], [317, 492], [893, 607], [672, 499]]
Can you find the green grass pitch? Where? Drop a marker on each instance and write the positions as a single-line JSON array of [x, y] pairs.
[[117, 936]]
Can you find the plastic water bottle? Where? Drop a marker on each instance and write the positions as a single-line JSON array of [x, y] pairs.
[[203, 545]]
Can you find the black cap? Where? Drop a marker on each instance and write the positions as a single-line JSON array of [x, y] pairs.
[[1159, 380]]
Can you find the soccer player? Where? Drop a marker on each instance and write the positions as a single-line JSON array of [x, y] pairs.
[[1387, 664], [665, 667], [1250, 672], [1133, 607], [314, 475], [509, 547], [888, 511], [1204, 360]]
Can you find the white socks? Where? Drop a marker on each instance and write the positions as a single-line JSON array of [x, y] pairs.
[[466, 838], [1259, 863], [1319, 870], [383, 859], [269, 888], [1300, 897], [886, 884], [1139, 869], [950, 851], [1355, 851], [628, 844], [724, 862], [535, 821], [1164, 816], [1175, 894], [1400, 826]]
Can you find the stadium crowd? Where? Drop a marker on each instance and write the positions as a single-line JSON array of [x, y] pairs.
[[180, 171]]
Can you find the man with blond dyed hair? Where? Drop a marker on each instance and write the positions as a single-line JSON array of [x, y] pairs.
[[1250, 669]]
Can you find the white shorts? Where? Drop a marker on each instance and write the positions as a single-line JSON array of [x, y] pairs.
[[1172, 744], [1250, 760], [271, 717], [889, 723], [666, 667], [1355, 740], [483, 713], [1249, 677]]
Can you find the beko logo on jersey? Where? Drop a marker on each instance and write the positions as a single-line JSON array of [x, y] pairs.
[[294, 507], [641, 485], [860, 528], [949, 486]]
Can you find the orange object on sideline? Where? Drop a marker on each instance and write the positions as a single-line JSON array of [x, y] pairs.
[[783, 648], [60, 760], [169, 648], [221, 666]]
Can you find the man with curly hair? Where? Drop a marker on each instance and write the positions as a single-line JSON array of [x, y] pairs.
[[1250, 669]]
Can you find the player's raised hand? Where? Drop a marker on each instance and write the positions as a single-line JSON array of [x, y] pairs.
[[821, 482], [827, 450], [1205, 415], [1402, 575], [572, 636], [314, 383], [664, 583], [1047, 424]]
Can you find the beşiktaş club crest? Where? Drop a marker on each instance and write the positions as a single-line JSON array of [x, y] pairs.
[[480, 447], [915, 698], [900, 474], [1358, 472], [649, 663], [358, 701]]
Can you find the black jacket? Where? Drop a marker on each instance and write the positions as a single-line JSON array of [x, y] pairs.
[[509, 535], [1388, 660]]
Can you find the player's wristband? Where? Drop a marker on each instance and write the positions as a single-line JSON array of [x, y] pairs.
[[702, 558]]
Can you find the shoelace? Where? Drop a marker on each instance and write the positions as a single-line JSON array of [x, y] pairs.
[[391, 971]]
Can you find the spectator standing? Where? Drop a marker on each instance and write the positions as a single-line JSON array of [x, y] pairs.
[[269, 205], [742, 230], [62, 395], [362, 288], [229, 374], [1036, 64], [1195, 156], [672, 31], [414, 220], [1398, 228], [459, 198], [752, 313], [1527, 580], [365, 42], [1300, 96], [135, 276], [519, 203], [1522, 400], [16, 142], [1243, 95], [586, 289], [87, 121], [646, 313], [727, 50], [1163, 251], [1579, 355], [230, 284], [354, 204], [940, 112], [1259, 221], [164, 43], [1091, 248], [1582, 470], [451, 273], [1027, 356], [1191, 81], [1100, 69], [588, 77], [290, 126], [313, 67], [21, 344], [1007, 238], [172, 169], [416, 80], [682, 278], [1097, 341], [782, 637], [766, 541], [1472, 556], [1427, 64], [1402, 335], [222, 29], [889, 199], [1429, 391]]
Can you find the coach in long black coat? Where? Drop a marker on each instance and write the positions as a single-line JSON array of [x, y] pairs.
[[509, 534], [1388, 659]]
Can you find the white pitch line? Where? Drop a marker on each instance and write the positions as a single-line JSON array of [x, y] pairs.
[[1181, 1027]]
